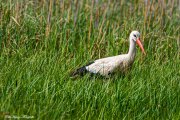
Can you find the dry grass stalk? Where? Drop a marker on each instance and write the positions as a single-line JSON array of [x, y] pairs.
[[48, 25]]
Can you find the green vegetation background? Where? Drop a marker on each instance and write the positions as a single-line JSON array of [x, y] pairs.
[[42, 41]]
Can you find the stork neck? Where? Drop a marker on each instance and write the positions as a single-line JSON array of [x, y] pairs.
[[132, 49]]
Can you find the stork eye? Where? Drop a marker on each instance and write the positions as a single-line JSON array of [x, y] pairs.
[[134, 35]]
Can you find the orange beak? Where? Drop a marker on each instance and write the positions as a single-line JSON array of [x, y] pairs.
[[138, 41]]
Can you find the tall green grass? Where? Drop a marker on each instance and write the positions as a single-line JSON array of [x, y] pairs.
[[41, 42]]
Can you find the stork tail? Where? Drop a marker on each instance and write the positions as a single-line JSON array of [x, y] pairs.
[[80, 71]]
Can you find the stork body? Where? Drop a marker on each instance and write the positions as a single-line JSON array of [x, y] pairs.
[[121, 63]]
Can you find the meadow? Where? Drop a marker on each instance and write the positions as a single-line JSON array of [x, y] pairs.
[[42, 41]]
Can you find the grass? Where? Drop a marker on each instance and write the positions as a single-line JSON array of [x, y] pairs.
[[42, 41]]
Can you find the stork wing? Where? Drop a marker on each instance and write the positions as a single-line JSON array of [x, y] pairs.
[[103, 66]]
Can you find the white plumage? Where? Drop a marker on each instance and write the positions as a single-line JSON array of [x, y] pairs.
[[106, 66]]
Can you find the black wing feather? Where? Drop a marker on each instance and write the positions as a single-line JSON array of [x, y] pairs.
[[81, 71]]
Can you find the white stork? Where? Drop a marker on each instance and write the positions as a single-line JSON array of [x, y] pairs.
[[106, 66]]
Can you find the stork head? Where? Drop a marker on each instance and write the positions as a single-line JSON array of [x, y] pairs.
[[135, 37]]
